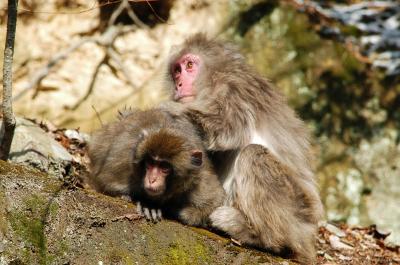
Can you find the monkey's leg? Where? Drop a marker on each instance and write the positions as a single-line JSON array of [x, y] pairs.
[[264, 206]]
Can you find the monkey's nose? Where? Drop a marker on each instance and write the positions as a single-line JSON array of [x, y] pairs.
[[178, 86]]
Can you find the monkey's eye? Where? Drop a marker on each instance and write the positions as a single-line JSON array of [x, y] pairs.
[[166, 170], [165, 167], [189, 65]]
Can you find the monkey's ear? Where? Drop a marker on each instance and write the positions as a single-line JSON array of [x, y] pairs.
[[196, 158]]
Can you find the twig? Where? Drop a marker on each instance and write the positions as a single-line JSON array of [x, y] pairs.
[[98, 116], [8, 125], [132, 15], [116, 13], [117, 59], [93, 81], [107, 40]]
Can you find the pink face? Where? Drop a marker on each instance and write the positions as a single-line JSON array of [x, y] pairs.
[[156, 177], [184, 73]]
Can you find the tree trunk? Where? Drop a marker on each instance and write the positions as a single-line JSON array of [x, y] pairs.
[[8, 125]]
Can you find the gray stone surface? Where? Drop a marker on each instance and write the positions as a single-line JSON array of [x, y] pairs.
[[32, 145]]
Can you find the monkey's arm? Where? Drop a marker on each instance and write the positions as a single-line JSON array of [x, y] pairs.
[[225, 121], [207, 196]]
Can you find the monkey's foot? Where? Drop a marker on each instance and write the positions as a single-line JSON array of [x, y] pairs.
[[232, 221], [153, 215], [225, 218]]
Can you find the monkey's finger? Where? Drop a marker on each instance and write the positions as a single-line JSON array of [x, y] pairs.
[[139, 208], [159, 214], [154, 215], [147, 213]]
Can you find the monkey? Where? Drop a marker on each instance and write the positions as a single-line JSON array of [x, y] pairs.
[[158, 159], [259, 147]]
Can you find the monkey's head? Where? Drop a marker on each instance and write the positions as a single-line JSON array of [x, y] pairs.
[[167, 163], [195, 66]]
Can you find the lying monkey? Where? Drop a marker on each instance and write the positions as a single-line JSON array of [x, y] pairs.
[[157, 158]]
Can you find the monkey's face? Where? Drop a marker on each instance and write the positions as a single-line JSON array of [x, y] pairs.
[[157, 172], [184, 73]]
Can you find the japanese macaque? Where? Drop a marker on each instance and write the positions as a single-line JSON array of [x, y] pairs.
[[156, 158], [259, 147]]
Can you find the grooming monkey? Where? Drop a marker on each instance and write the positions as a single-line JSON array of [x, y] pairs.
[[259, 147], [157, 158]]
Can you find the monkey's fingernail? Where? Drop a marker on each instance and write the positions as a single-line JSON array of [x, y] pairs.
[[159, 214], [139, 208], [154, 214], [147, 213]]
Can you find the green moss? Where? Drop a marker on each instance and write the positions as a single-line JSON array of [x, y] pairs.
[[53, 209], [119, 255], [202, 252], [29, 225], [178, 254], [3, 217], [7, 169], [209, 234], [128, 260]]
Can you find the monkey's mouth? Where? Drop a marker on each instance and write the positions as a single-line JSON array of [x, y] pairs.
[[154, 192], [186, 99]]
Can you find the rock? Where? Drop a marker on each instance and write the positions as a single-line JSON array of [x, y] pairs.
[[335, 230], [32, 145], [47, 223], [74, 134], [337, 244]]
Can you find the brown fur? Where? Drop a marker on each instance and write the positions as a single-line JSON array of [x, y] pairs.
[[118, 150], [273, 200]]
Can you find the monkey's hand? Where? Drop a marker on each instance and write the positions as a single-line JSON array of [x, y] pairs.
[[125, 112], [222, 130], [193, 216], [150, 214]]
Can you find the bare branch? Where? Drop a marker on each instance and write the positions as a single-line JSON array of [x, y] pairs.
[[8, 125], [117, 59], [132, 15], [43, 72], [106, 40], [90, 89], [115, 14]]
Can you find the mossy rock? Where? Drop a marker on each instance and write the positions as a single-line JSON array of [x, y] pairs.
[[43, 221]]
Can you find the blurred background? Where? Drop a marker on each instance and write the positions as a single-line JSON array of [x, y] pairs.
[[338, 63]]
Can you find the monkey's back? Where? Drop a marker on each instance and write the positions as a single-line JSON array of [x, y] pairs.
[[112, 148]]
